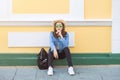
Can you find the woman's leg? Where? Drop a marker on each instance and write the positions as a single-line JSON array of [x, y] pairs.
[[50, 59], [69, 60], [68, 56], [61, 55]]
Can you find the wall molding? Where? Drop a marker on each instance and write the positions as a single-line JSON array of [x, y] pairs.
[[49, 23]]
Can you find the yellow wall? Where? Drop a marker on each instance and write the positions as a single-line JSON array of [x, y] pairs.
[[98, 9], [93, 9], [87, 39], [41, 6]]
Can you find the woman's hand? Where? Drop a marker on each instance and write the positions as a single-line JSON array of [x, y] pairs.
[[55, 54], [59, 33]]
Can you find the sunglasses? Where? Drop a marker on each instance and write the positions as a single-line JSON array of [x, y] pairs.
[[58, 26]]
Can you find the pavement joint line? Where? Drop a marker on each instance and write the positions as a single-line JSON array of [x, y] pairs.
[[75, 66]]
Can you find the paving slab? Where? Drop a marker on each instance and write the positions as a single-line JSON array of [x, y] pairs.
[[7, 73], [25, 74]]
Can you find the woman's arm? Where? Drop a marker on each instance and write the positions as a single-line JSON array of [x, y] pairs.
[[52, 46]]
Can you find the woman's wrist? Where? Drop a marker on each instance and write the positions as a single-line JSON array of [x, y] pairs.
[[61, 36]]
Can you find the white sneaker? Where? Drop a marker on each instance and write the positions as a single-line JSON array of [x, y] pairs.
[[71, 71], [50, 71]]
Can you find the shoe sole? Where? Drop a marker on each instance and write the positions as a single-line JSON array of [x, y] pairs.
[[50, 74], [71, 74]]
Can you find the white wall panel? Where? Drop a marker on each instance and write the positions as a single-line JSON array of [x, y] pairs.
[[115, 26], [116, 9], [74, 15], [33, 39]]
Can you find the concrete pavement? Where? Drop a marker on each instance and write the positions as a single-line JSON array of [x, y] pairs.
[[87, 72]]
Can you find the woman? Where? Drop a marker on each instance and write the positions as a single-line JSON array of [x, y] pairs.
[[59, 40]]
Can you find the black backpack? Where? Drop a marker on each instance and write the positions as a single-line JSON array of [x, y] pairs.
[[42, 60]]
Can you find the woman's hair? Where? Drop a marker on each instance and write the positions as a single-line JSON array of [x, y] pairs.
[[63, 29]]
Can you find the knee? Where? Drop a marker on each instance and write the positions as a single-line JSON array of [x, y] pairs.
[[50, 53], [66, 48]]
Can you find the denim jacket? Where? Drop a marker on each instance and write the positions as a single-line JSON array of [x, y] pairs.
[[58, 43]]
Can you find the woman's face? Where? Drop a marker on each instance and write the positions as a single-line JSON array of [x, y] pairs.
[[59, 26]]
